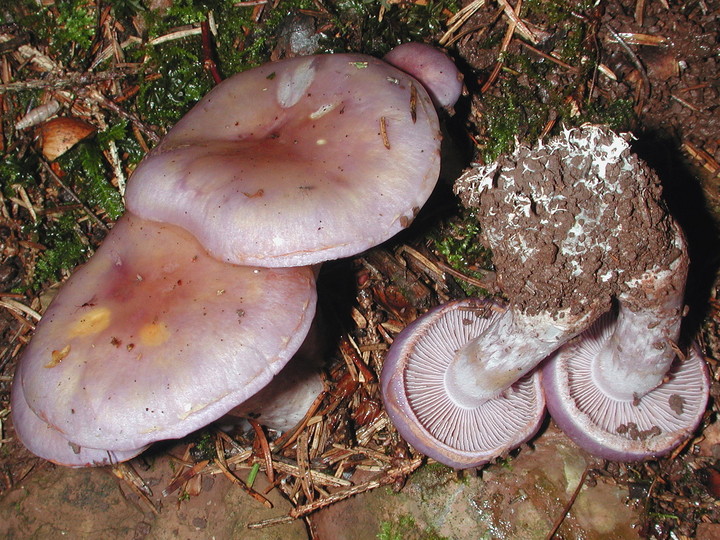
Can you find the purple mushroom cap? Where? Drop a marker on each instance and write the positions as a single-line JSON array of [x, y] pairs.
[[421, 406], [153, 339], [432, 67], [48, 443], [296, 162]]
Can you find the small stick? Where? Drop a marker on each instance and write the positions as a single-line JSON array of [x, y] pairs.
[[183, 477], [569, 504], [208, 56], [222, 465], [20, 308], [177, 34], [634, 58], [124, 472], [349, 350], [388, 478]]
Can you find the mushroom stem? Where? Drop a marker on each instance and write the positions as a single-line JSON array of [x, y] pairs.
[[489, 364], [639, 353]]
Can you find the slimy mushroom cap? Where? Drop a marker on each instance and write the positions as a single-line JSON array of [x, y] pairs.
[[152, 338], [296, 162]]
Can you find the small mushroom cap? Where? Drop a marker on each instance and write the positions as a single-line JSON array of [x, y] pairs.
[[623, 430], [48, 443], [432, 67], [285, 401], [152, 338], [413, 387], [296, 162]]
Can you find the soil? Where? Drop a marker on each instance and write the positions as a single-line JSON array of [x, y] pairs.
[[546, 213], [660, 57]]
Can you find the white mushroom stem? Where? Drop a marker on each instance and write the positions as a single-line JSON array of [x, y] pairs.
[[642, 348], [507, 350]]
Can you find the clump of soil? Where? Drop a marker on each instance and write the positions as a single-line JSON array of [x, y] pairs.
[[572, 221]]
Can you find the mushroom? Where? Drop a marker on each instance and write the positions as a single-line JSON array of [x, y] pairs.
[[575, 225], [252, 175], [622, 390], [152, 339], [425, 409], [432, 67], [306, 159], [48, 443]]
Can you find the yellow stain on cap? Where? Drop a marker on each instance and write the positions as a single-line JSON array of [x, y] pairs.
[[58, 356], [154, 334], [92, 322]]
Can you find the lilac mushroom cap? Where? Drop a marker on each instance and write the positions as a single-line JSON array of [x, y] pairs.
[[423, 407], [296, 162], [153, 339], [48, 443], [285, 401], [432, 67]]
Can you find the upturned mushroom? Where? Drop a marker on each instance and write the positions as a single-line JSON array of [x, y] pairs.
[[623, 389], [425, 409], [306, 159], [573, 224], [152, 339]]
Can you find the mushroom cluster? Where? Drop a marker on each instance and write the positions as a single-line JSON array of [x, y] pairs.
[[205, 288], [578, 229]]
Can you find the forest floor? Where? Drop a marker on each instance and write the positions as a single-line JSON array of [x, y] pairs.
[[122, 72]]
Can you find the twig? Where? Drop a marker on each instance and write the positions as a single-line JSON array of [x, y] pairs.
[[388, 477], [549, 57], [184, 476], [221, 464], [634, 58], [109, 104], [208, 53], [457, 20], [519, 25], [568, 505], [20, 308], [69, 80], [503, 47], [180, 33], [265, 448], [124, 472]]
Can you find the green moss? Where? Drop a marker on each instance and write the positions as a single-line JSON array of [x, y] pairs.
[[458, 242], [130, 151], [65, 249], [68, 26], [15, 171], [618, 115], [204, 447], [360, 28], [404, 527], [88, 173]]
